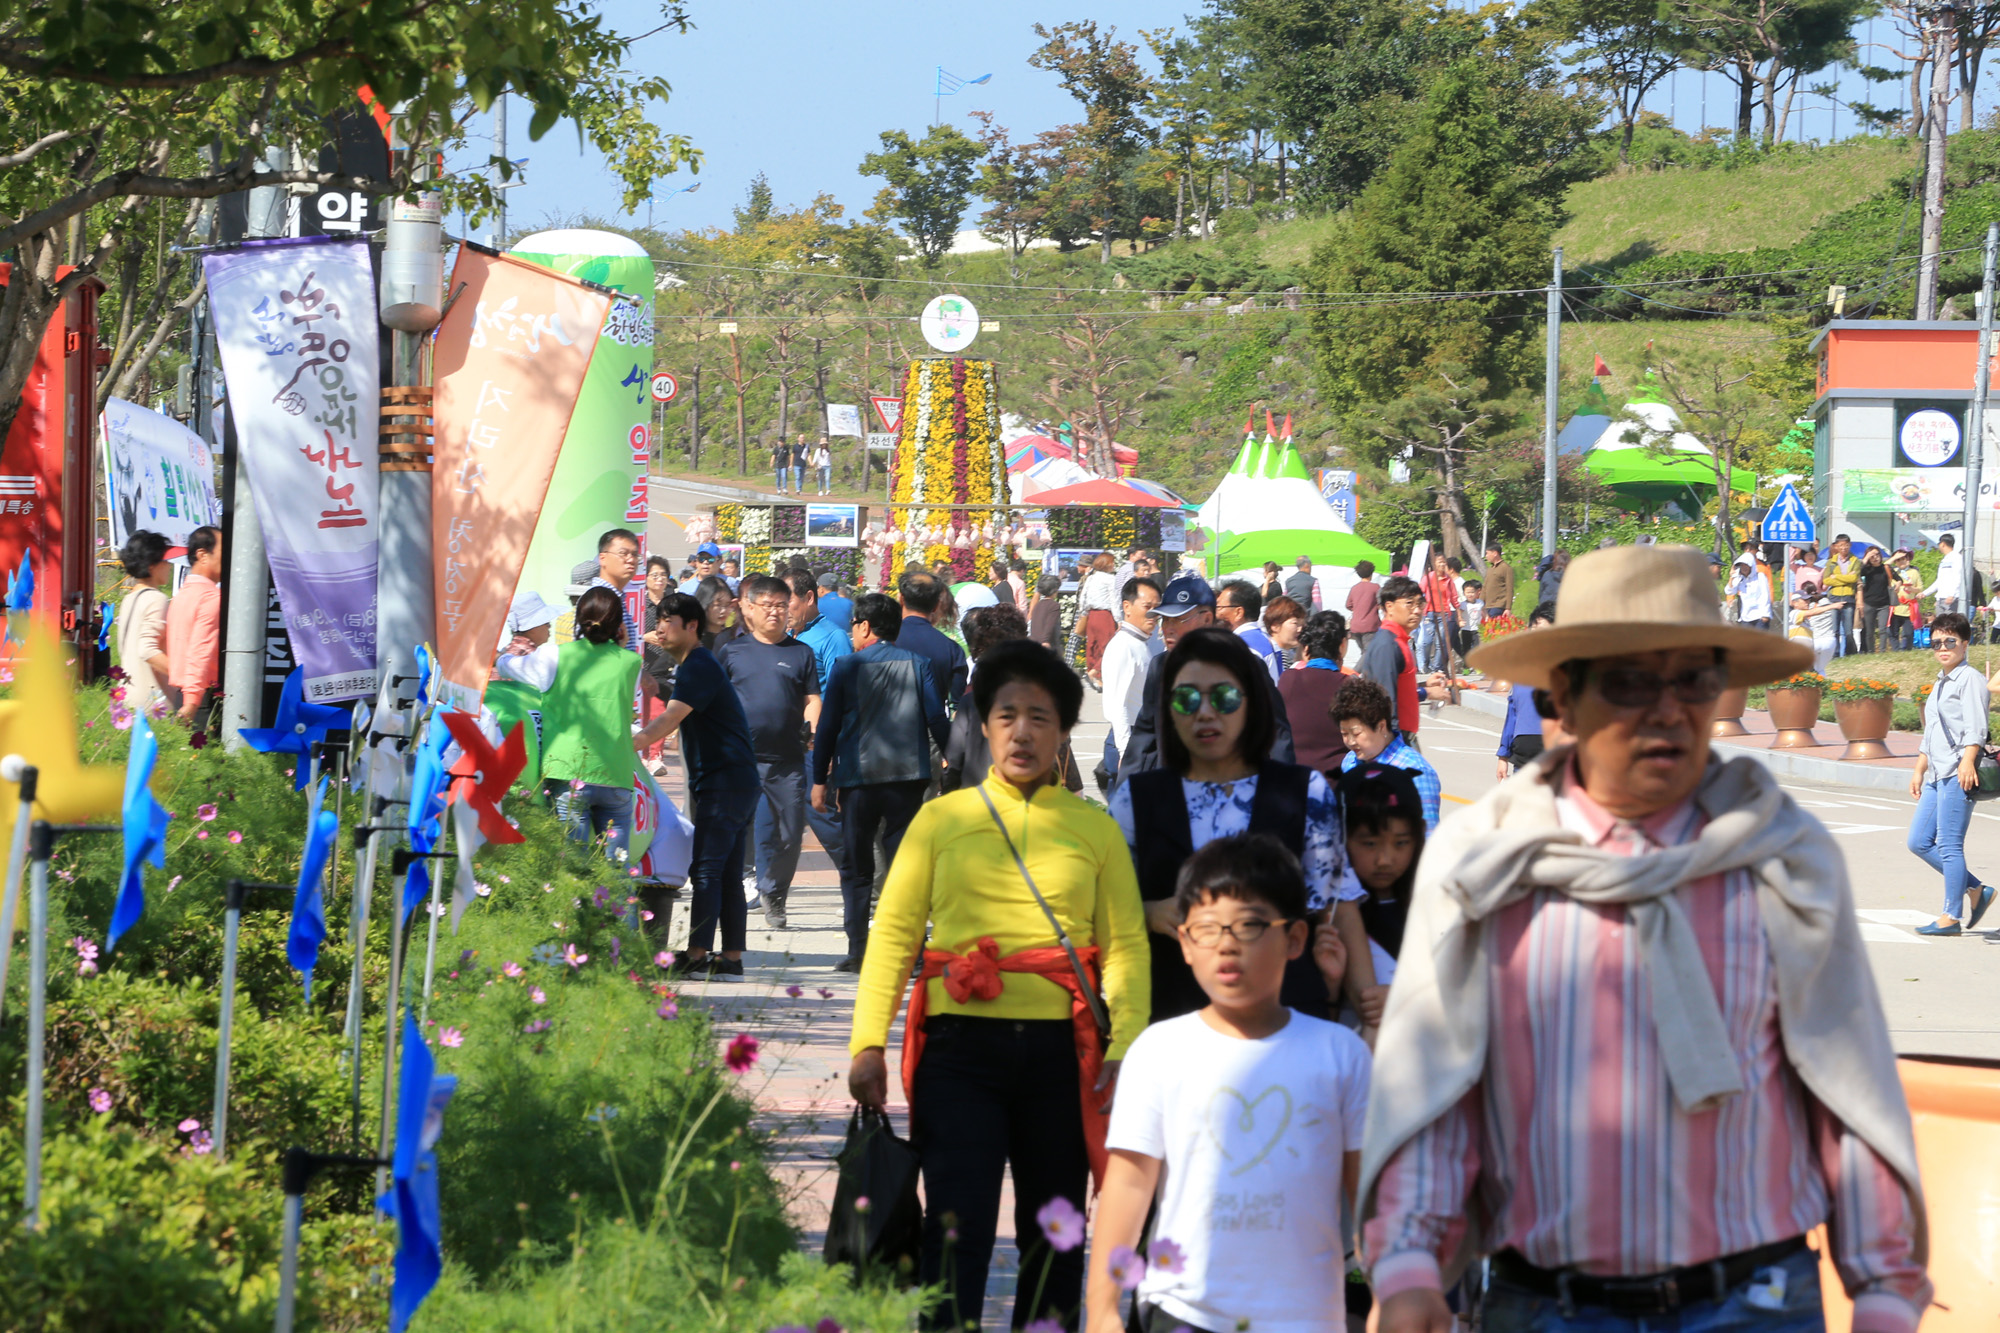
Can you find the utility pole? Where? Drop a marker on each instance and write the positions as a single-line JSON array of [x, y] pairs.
[[1975, 443], [1944, 28], [249, 575], [1552, 376], [500, 151]]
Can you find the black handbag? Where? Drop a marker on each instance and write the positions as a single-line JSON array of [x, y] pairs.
[[877, 1222]]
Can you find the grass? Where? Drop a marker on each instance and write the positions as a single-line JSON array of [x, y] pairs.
[[1639, 212]]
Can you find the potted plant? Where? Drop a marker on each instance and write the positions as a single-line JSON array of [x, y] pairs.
[[1729, 713], [1499, 627], [1922, 694], [1794, 707], [1864, 709]]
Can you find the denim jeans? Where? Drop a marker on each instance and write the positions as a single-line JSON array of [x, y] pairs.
[[887, 807], [994, 1093], [1843, 626], [1937, 837], [715, 870], [825, 478], [798, 479], [780, 824], [595, 811], [1509, 1309], [782, 473], [1433, 645]]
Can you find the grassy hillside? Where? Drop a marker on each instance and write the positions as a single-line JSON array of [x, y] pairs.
[[1774, 202]]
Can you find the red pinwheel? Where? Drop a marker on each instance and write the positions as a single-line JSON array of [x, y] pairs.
[[483, 774]]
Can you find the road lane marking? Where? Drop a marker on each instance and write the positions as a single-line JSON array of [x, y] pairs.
[[1875, 934]]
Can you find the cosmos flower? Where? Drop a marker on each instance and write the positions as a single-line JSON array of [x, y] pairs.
[[1125, 1267], [1061, 1223], [512, 969], [795, 991], [742, 1053], [539, 1025], [451, 1037], [572, 957], [100, 1101], [235, 835], [536, 994], [669, 1008], [206, 812], [1167, 1256]]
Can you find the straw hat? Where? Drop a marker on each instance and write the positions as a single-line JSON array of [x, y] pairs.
[[1640, 599]]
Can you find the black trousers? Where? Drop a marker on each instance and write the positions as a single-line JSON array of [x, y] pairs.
[[994, 1093], [887, 807]]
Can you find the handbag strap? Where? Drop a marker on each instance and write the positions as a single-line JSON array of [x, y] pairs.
[[1090, 996]]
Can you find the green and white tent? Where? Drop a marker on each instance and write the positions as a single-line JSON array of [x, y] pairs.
[[1267, 508]]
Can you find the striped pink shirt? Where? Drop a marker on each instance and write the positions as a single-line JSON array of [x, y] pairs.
[[1574, 1142]]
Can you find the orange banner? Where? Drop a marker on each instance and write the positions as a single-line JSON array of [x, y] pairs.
[[511, 356]]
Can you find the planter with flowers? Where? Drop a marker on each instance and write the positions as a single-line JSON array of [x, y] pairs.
[[1864, 709], [1794, 707], [1499, 627]]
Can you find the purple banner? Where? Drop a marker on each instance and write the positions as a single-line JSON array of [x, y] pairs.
[[296, 323]]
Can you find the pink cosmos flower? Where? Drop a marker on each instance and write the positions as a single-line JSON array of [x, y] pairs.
[[189, 1126], [539, 1025], [669, 1008], [663, 959], [742, 1053], [202, 836], [235, 835], [206, 812], [511, 969], [454, 1037], [1167, 1256], [572, 957], [536, 994], [1125, 1267], [1061, 1223], [100, 1101], [825, 994], [201, 1141], [173, 883], [795, 991]]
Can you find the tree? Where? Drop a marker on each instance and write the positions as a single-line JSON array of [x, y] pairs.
[[1438, 430], [1719, 403], [109, 108], [756, 208], [929, 181], [1095, 380], [1105, 76], [1766, 47], [1013, 179], [1452, 213], [1619, 48]]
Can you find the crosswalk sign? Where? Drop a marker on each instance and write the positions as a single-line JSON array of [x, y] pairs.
[[1789, 521]]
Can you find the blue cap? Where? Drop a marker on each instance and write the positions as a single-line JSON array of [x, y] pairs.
[[709, 549], [1185, 593]]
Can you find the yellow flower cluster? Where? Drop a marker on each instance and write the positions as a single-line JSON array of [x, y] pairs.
[[728, 518], [984, 458], [1119, 529], [931, 454]]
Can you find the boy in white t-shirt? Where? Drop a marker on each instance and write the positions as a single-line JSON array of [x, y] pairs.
[[1246, 1116]]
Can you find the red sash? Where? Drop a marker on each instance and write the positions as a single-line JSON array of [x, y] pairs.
[[975, 975]]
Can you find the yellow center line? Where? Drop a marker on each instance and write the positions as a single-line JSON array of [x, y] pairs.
[[1456, 800]]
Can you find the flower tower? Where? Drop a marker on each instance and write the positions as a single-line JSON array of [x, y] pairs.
[[947, 454]]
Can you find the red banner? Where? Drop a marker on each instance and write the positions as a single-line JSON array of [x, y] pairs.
[[511, 356]]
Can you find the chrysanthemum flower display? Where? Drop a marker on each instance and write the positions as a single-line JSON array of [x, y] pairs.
[[947, 453]]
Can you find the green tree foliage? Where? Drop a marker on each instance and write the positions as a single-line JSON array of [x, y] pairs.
[[1104, 75], [1767, 48], [1620, 49], [112, 106], [756, 209], [929, 180], [1452, 213]]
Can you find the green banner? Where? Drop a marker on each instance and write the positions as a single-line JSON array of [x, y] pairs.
[[1902, 490], [600, 477]]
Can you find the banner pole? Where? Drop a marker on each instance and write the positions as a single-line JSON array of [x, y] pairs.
[[15, 769], [232, 917], [431, 949], [38, 981], [397, 935]]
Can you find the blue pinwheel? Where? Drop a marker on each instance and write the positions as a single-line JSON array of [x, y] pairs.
[[106, 614], [413, 1196], [308, 930], [299, 725], [145, 831], [20, 595], [426, 811]]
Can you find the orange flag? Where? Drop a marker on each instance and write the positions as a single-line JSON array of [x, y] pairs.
[[511, 356]]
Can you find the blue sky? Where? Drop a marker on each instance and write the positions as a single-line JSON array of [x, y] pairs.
[[801, 92]]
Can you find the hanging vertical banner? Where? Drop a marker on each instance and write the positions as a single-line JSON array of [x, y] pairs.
[[511, 356], [158, 475], [296, 324]]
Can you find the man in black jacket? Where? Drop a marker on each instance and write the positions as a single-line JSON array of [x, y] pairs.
[[1189, 604], [881, 710], [921, 594]]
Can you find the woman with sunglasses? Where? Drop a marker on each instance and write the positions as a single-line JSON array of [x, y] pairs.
[[1216, 779], [1947, 774]]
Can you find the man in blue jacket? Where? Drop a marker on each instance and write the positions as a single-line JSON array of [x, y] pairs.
[[880, 712], [922, 594], [829, 641]]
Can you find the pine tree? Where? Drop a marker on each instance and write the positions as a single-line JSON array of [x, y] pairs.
[[1453, 212]]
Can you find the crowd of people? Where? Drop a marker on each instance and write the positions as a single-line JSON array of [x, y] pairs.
[[170, 646], [1639, 972]]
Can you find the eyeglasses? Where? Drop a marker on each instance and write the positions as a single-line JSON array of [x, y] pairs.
[[1208, 934], [1946, 642], [1629, 687], [1187, 699]]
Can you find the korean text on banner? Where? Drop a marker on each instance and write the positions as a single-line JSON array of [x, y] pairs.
[[158, 474], [511, 356], [296, 323]]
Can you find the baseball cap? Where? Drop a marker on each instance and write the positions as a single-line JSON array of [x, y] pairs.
[[529, 610], [1184, 593], [829, 580], [709, 549]]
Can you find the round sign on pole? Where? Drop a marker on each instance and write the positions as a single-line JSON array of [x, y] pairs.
[[949, 323], [665, 386]]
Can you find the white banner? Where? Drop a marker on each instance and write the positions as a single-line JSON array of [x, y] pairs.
[[843, 419], [297, 326], [158, 474]]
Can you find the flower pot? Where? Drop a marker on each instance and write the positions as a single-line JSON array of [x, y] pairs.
[[1729, 714], [1498, 686], [1793, 713], [1865, 724]]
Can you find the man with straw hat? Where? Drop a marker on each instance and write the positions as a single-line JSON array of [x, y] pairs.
[[1634, 1051]]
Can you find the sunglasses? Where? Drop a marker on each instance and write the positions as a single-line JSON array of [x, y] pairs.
[[1629, 687], [1208, 934], [1224, 698], [1946, 642]]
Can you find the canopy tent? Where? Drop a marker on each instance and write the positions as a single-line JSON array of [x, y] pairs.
[[1658, 479], [1266, 508], [1046, 475], [1028, 450], [1098, 491], [1154, 488], [1640, 450]]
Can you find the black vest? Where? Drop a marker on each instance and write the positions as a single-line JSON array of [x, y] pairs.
[[1162, 843]]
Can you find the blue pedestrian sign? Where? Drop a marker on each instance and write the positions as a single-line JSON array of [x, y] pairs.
[[1789, 521]]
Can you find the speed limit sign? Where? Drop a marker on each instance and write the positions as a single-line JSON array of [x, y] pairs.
[[665, 386]]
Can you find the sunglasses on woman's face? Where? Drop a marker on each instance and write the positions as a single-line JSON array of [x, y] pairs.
[[1224, 698]]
